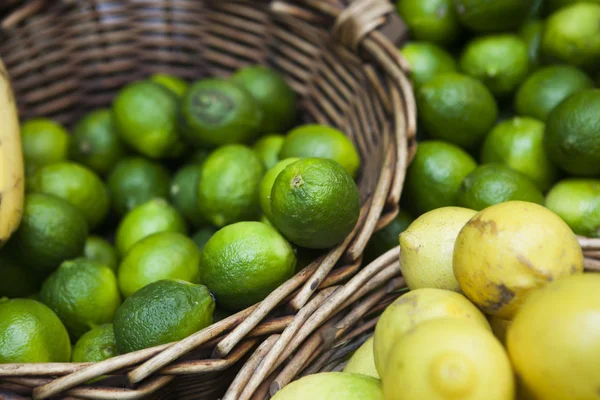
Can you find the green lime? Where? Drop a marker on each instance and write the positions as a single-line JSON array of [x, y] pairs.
[[184, 193], [531, 33], [554, 5], [51, 231], [145, 115], [164, 255], [572, 136], [491, 184], [276, 98], [501, 62], [83, 293], [17, 280], [176, 85], [162, 312], [321, 141], [572, 36], [315, 203], [76, 184], [266, 185], [519, 144], [430, 20], [433, 178], [427, 60], [228, 191], [492, 15], [244, 262], [31, 333], [267, 148], [44, 142], [98, 249], [457, 108], [198, 156], [216, 111], [543, 90], [152, 217], [387, 238], [577, 202], [203, 235], [97, 344], [95, 142], [134, 181]]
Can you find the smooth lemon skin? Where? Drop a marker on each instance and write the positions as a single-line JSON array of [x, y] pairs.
[[363, 360], [510, 249], [427, 247], [554, 341], [332, 385]]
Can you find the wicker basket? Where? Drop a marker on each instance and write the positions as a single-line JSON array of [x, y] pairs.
[[67, 57]]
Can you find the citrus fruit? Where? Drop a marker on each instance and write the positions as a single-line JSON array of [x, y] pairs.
[[412, 309], [216, 112], [572, 138], [508, 250], [31, 333], [363, 360], [501, 62], [387, 238], [243, 262], [203, 235], [491, 184], [427, 247], [531, 33], [553, 5], [164, 255], [456, 108], [519, 144], [563, 317], [176, 85], [500, 328], [184, 193], [315, 184], [152, 217], [448, 358], [134, 181], [95, 142], [427, 60], [321, 141], [492, 15], [44, 142], [434, 177], [330, 385], [228, 191], [76, 184], [17, 280], [97, 344], [430, 20], [266, 185], [162, 312], [99, 250], [547, 87], [276, 99], [577, 202], [267, 148]]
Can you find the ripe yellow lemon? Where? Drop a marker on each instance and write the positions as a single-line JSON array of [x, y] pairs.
[[363, 360]]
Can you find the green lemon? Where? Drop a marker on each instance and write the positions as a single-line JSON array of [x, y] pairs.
[[456, 108], [554, 5], [572, 36], [83, 293], [387, 238], [315, 203], [543, 90], [164, 255], [228, 191], [97, 344], [242, 263], [276, 98], [267, 148], [162, 312], [51, 231], [176, 85], [100, 250], [266, 185], [519, 144], [44, 142], [203, 235], [320, 141], [145, 115], [76, 184], [152, 217], [184, 193], [434, 177], [427, 60], [31, 333], [572, 138], [491, 184], [577, 202], [332, 385], [95, 142], [216, 112], [501, 62], [430, 20], [134, 181], [17, 280], [531, 33], [492, 15]]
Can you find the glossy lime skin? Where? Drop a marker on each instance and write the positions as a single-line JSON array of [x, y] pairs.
[[44, 142], [96, 345], [577, 202], [430, 20], [184, 193], [426, 61], [484, 16], [531, 33]]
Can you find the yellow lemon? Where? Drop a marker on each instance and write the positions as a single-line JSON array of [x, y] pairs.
[[363, 360], [332, 385], [500, 327]]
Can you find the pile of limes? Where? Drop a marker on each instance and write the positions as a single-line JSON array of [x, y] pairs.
[[177, 201]]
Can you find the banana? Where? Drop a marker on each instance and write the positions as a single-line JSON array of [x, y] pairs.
[[11, 161]]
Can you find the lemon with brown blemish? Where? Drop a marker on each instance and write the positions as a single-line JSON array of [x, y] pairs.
[[508, 250]]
